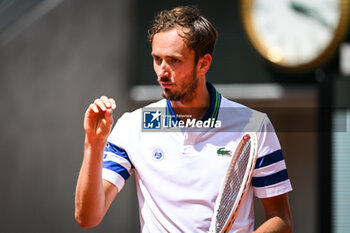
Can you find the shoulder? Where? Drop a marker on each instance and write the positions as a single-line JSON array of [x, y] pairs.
[[242, 116], [226, 103]]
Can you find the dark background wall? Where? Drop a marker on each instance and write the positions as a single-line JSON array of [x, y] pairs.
[[81, 49], [49, 74]]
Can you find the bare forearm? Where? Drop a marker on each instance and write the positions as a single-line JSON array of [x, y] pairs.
[[90, 197], [93, 196], [275, 225], [277, 214]]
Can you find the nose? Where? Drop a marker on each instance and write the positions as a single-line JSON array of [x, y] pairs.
[[163, 71]]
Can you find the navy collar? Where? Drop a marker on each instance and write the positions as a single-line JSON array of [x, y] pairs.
[[211, 114]]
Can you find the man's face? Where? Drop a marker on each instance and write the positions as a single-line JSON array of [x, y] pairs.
[[174, 65]]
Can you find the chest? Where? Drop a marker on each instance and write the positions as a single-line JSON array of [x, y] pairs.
[[187, 162]]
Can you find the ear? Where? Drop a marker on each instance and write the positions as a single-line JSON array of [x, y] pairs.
[[203, 64]]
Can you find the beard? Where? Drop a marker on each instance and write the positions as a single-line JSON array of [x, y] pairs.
[[186, 90]]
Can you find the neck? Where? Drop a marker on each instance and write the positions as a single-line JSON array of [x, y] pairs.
[[197, 106]]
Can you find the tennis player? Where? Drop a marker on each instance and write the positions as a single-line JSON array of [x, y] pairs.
[[178, 172]]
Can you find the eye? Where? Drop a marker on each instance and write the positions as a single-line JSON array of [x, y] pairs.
[[175, 60], [157, 59]]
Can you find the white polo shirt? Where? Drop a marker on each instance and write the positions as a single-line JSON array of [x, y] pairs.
[[179, 170]]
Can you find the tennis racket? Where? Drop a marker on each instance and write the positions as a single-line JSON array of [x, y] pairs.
[[235, 184]]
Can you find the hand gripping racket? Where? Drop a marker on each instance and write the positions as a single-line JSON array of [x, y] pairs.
[[235, 184]]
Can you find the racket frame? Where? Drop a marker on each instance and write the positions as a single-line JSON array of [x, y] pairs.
[[243, 189]]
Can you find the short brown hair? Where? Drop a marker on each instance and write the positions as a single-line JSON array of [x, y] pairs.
[[201, 35]]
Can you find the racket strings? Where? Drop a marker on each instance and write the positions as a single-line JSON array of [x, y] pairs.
[[235, 178]]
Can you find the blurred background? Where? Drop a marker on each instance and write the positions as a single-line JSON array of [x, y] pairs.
[[57, 56]]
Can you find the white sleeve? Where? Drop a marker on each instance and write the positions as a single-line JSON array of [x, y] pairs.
[[270, 177], [117, 166]]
